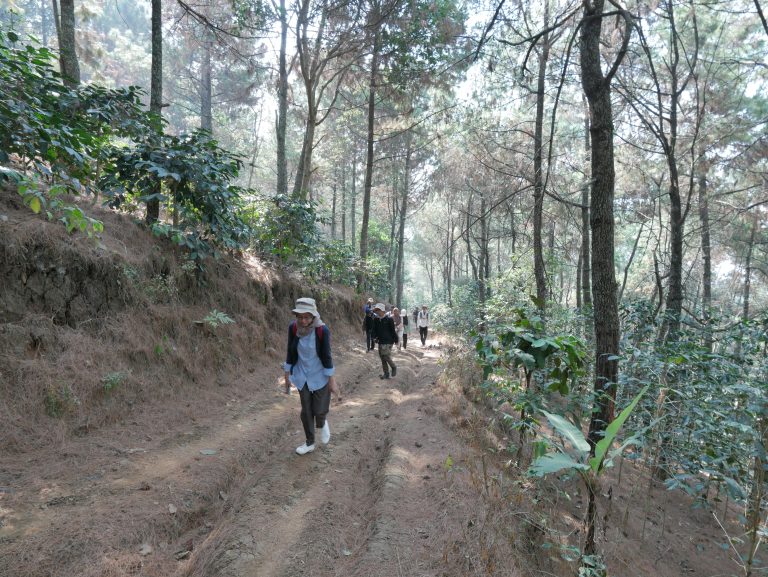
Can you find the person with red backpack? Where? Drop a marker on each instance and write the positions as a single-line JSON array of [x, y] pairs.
[[309, 367]]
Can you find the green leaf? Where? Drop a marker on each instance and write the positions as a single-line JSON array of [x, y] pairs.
[[611, 431], [34, 204], [554, 462], [569, 431]]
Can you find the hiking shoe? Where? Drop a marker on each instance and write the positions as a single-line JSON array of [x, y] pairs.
[[383, 376], [394, 371], [304, 449], [325, 433]]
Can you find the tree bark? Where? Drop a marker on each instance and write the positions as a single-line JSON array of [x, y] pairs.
[[369, 147], [597, 89], [282, 105], [586, 269], [70, 67], [399, 281], [748, 269], [706, 252], [156, 93], [353, 208], [343, 202], [206, 106], [538, 173], [56, 19]]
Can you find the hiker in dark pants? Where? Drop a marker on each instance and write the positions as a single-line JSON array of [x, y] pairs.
[[422, 322], [309, 366], [384, 334], [368, 325]]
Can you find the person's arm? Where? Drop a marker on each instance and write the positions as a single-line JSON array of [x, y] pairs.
[[288, 366]]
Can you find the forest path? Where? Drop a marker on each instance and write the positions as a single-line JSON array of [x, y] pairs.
[[392, 494], [378, 500]]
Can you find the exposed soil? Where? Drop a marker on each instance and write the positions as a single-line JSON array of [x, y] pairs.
[[137, 440]]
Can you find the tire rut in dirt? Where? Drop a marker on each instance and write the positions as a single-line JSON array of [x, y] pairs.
[[294, 507]]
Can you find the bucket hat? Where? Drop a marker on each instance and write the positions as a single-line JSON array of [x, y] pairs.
[[306, 305]]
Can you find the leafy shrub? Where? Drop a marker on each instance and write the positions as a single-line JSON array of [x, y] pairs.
[[216, 318], [194, 173], [283, 228], [55, 130]]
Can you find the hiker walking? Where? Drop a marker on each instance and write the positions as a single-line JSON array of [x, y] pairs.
[[398, 320], [405, 330], [309, 366], [368, 325], [384, 334], [422, 321]]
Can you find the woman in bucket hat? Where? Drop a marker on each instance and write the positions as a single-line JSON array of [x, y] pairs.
[[309, 366]]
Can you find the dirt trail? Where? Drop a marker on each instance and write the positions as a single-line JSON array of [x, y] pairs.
[[376, 501], [229, 497]]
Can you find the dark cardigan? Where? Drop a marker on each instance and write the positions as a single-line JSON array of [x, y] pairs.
[[323, 347], [384, 330]]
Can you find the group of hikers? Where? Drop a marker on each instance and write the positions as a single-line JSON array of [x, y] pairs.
[[309, 363]]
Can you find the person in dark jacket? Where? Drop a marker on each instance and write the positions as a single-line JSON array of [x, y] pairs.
[[384, 334], [309, 366], [368, 325]]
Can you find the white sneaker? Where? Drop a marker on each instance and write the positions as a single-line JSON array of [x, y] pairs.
[[325, 433], [304, 449]]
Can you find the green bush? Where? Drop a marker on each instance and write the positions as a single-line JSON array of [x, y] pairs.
[[193, 173]]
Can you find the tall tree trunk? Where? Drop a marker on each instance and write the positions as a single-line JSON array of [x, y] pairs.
[[392, 250], [156, 93], [748, 269], [597, 89], [538, 172], [256, 144], [401, 230], [586, 284], [706, 252], [311, 68], [206, 106], [674, 302], [449, 258], [344, 202], [333, 204], [282, 105], [70, 67], [56, 19], [353, 208], [467, 238], [369, 149]]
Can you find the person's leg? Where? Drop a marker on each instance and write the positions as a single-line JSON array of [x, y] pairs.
[[392, 364], [387, 362], [405, 340], [307, 417], [423, 335], [321, 404], [384, 351]]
